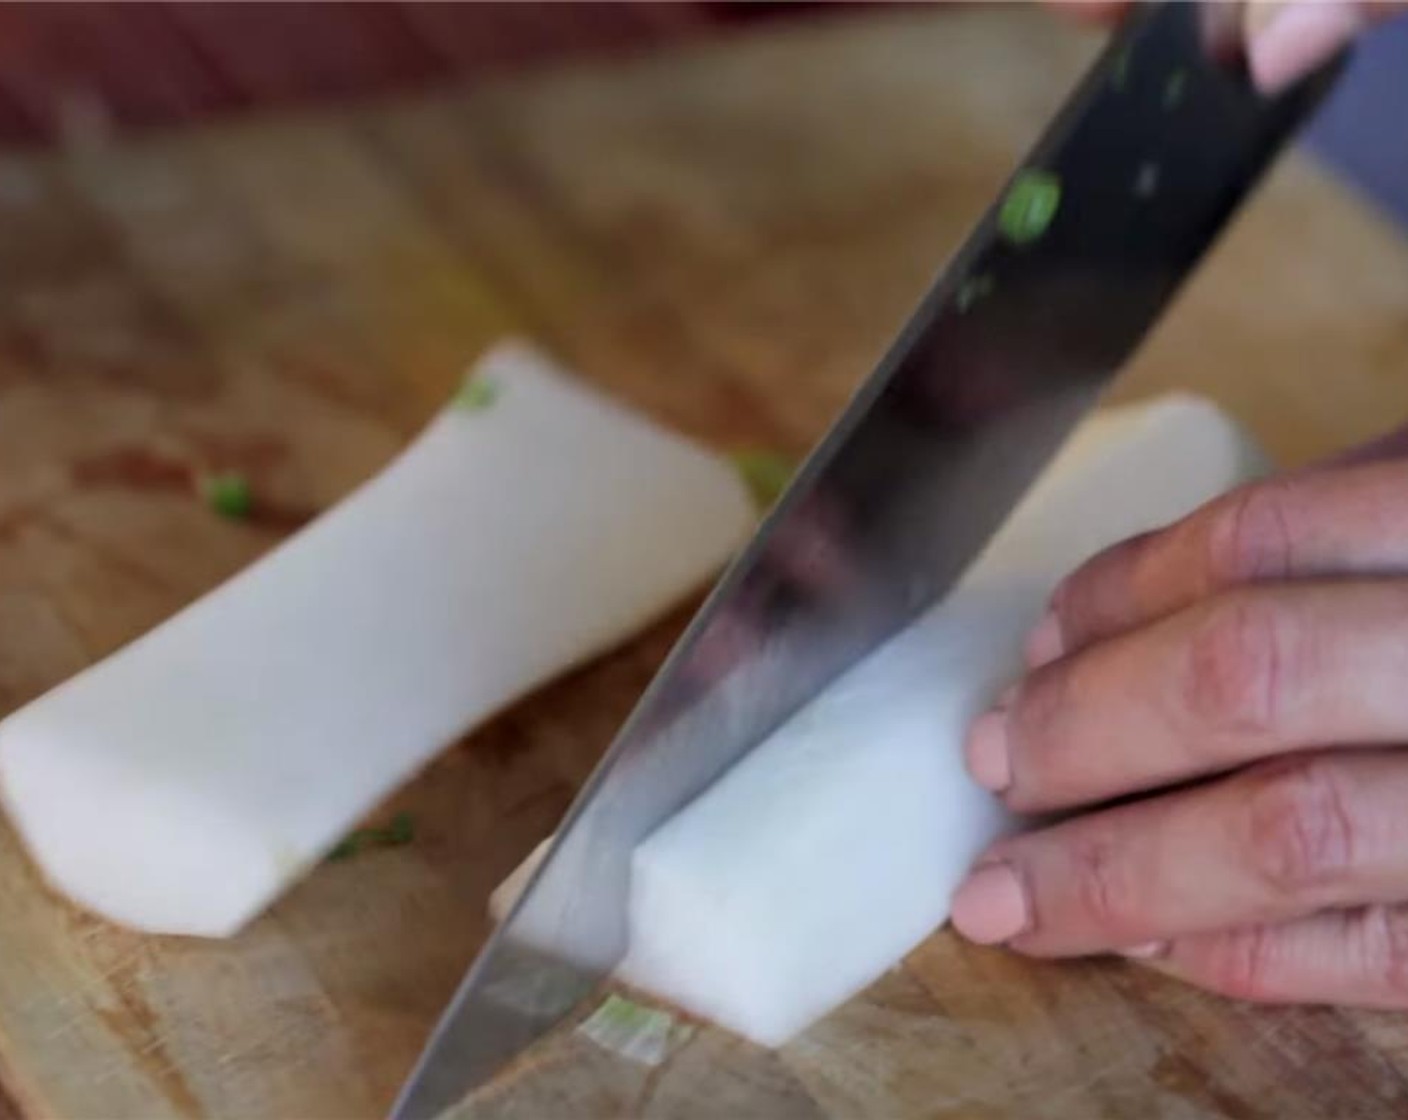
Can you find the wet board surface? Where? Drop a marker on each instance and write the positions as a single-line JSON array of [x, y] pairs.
[[725, 237]]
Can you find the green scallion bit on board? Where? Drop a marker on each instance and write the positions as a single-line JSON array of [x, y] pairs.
[[228, 494], [400, 832], [476, 395], [765, 473], [348, 848]]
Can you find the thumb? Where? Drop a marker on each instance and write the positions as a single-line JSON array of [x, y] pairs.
[[1287, 39]]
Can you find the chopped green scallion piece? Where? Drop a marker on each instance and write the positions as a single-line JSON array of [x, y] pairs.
[[766, 474], [1030, 205], [476, 395], [637, 1033], [349, 847], [228, 494], [623, 1014], [1119, 71], [972, 290], [401, 831]]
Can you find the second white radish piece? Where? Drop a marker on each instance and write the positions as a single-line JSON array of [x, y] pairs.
[[181, 784]]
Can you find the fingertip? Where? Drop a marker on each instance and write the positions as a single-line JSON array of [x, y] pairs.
[[990, 906], [1045, 643], [988, 752], [1299, 37]]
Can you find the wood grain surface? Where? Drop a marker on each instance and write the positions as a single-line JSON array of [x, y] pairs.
[[725, 238]]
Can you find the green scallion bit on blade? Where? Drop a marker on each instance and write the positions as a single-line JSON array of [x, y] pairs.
[[228, 494], [972, 290], [765, 473], [1119, 72], [476, 395], [1175, 88], [1030, 205]]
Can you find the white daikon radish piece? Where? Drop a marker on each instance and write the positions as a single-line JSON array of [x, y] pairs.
[[181, 784], [831, 850]]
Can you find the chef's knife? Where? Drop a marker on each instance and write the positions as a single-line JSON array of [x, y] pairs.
[[1032, 317]]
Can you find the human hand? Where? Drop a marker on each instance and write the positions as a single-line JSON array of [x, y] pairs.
[[1285, 39], [1255, 657]]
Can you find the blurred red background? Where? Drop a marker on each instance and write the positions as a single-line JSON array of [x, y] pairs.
[[170, 63]]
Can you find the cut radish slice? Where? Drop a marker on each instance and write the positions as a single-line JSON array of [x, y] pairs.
[[181, 784]]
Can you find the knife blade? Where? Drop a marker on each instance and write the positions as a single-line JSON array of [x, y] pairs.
[[1031, 318]]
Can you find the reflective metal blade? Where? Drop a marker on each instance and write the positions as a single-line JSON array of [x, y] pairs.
[[1052, 292]]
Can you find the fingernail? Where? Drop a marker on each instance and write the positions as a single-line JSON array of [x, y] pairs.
[[990, 906], [1044, 644], [1146, 952], [1298, 38], [989, 761]]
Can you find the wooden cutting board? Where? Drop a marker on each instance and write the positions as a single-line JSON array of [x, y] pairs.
[[725, 237]]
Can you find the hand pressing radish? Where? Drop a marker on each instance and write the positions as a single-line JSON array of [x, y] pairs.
[[1242, 673], [1245, 672]]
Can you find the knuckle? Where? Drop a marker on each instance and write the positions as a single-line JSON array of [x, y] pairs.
[[1105, 893], [1300, 831], [1235, 669], [1041, 704], [1243, 965], [1249, 536]]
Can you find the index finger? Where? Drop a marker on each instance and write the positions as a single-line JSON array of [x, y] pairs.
[[1342, 522]]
